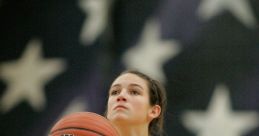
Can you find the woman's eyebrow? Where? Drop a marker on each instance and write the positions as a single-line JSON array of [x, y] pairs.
[[133, 84]]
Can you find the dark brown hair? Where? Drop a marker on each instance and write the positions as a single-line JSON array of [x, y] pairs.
[[157, 96]]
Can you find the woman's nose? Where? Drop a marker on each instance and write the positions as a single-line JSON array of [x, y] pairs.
[[122, 97]]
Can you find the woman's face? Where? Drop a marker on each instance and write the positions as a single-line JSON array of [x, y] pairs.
[[129, 100]]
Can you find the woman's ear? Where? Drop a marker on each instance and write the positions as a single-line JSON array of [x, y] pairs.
[[154, 112]]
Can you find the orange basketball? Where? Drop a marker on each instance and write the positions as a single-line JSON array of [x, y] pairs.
[[83, 124]]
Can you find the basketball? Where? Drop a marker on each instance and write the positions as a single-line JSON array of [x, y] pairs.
[[83, 124]]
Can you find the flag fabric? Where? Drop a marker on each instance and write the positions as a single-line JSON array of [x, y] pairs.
[[59, 57], [46, 71]]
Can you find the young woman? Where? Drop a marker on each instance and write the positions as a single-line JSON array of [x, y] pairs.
[[136, 105]]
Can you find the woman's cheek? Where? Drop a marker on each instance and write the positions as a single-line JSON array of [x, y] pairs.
[[137, 104], [110, 103]]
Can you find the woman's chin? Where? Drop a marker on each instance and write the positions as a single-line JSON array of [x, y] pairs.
[[119, 118]]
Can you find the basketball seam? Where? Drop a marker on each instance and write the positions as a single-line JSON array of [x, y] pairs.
[[79, 129]]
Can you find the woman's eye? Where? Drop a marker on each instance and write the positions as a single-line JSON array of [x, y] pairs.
[[134, 92], [114, 92]]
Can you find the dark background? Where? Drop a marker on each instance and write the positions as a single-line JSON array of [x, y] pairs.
[[219, 50]]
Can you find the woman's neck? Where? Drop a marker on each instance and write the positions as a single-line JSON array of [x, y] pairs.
[[133, 130]]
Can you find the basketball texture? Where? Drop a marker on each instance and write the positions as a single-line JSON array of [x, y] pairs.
[[83, 124]]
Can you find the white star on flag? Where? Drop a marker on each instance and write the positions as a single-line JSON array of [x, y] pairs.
[[26, 77], [78, 104], [151, 52], [220, 120], [97, 12], [239, 8]]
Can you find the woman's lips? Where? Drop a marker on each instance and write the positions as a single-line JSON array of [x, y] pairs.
[[120, 107]]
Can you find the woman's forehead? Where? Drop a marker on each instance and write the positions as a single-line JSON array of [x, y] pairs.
[[130, 78]]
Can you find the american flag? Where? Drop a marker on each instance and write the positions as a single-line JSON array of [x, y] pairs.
[[59, 57]]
